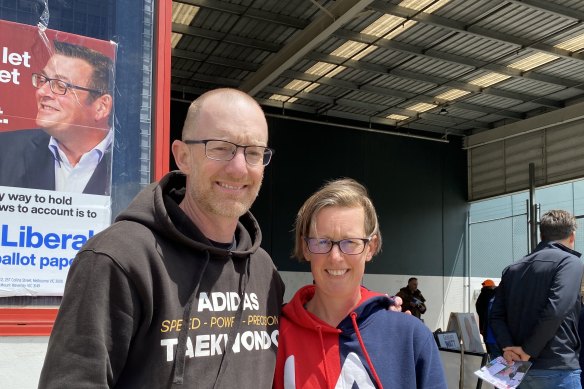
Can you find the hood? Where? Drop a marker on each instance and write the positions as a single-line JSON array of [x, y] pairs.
[[150, 208], [370, 303], [295, 312]]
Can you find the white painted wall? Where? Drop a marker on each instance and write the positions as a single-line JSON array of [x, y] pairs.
[[443, 294], [21, 360]]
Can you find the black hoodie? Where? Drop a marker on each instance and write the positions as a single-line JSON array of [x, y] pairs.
[[151, 303]]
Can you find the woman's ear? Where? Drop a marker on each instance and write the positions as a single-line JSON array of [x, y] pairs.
[[372, 247], [305, 251]]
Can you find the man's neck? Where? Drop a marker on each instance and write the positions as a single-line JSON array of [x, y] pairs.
[[568, 242], [72, 155], [216, 228], [75, 148]]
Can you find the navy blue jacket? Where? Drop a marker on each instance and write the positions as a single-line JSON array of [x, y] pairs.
[[537, 306]]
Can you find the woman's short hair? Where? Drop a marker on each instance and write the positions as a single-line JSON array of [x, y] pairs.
[[343, 192]]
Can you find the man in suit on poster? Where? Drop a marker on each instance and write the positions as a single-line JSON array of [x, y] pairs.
[[71, 149]]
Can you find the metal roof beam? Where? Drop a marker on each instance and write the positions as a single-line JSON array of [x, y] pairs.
[[226, 38], [215, 60], [487, 110], [536, 123], [401, 126], [303, 42], [551, 7], [477, 31], [285, 105], [334, 82], [389, 122], [222, 81], [188, 89], [397, 94], [338, 83], [375, 107], [471, 63], [455, 121], [252, 13], [301, 95], [379, 69]]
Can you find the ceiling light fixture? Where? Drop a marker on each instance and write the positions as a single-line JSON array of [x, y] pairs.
[[452, 94], [574, 44], [533, 61], [421, 107], [489, 79], [181, 14], [397, 118]]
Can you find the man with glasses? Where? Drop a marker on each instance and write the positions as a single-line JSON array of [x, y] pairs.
[[71, 150], [178, 290]]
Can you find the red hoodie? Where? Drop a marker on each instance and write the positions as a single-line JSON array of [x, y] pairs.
[[371, 348]]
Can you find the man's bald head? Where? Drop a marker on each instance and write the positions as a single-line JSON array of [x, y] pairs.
[[227, 96]]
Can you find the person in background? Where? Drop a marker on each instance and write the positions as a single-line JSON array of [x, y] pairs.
[[482, 305], [413, 300], [335, 333], [493, 348], [71, 149], [537, 306], [178, 290]]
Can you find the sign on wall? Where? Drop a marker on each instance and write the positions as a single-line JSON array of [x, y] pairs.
[[56, 139], [467, 329]]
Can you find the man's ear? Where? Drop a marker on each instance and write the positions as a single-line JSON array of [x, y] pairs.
[[182, 156], [103, 107]]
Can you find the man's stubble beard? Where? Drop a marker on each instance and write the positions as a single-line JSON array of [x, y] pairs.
[[226, 207]]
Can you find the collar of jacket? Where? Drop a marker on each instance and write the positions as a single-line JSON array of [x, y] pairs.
[[556, 245]]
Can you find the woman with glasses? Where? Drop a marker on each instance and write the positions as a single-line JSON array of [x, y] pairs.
[[336, 333]]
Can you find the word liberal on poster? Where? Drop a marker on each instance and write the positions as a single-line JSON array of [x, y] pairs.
[[44, 219]]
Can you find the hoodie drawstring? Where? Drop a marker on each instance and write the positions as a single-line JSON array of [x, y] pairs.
[[179, 358], [326, 376], [358, 333], [243, 281]]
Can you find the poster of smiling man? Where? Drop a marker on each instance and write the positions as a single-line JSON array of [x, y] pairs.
[[56, 139]]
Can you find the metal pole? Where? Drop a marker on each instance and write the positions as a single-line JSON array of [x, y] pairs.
[[532, 208], [527, 226]]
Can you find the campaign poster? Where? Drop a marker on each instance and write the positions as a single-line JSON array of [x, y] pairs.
[[467, 329], [56, 139]]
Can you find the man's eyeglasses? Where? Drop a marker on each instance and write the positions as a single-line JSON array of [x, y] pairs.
[[58, 87], [221, 150], [352, 246]]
